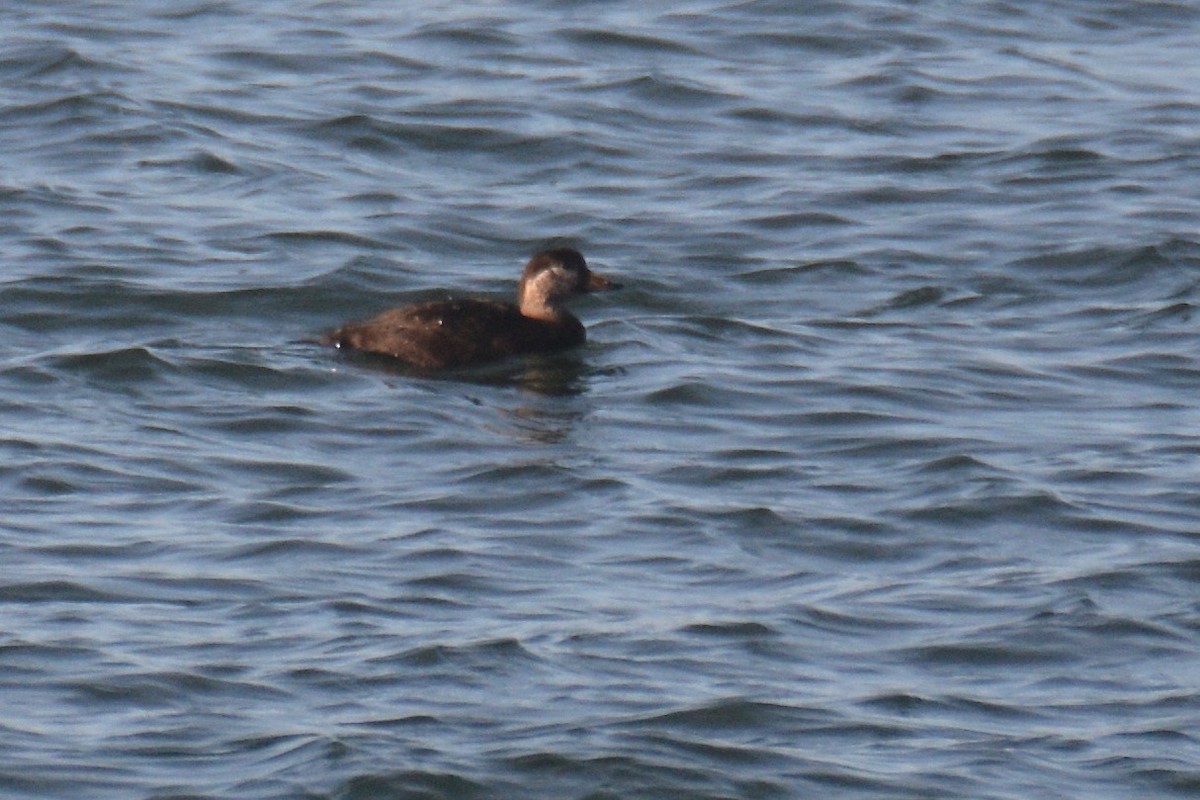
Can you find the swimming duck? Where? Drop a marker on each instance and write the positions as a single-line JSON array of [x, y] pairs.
[[453, 333]]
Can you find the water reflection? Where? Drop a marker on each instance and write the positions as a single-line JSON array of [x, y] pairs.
[[541, 382], [539, 424], [556, 375]]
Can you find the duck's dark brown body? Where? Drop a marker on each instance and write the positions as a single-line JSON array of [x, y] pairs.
[[453, 333]]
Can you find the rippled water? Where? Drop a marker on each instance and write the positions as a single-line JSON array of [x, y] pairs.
[[879, 479]]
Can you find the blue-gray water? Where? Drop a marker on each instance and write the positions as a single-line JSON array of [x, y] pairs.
[[880, 479]]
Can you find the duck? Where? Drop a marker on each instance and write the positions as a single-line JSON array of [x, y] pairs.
[[443, 334]]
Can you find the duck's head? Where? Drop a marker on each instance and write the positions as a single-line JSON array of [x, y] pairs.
[[553, 277]]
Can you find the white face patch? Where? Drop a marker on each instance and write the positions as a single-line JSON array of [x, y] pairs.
[[546, 292], [554, 282]]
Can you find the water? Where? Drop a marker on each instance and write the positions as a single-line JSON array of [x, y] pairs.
[[879, 479]]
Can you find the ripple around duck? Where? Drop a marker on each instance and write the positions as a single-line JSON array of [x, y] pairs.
[[114, 368]]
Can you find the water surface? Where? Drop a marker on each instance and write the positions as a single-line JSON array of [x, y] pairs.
[[879, 479]]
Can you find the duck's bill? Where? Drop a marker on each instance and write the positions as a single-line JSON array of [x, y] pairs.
[[599, 283]]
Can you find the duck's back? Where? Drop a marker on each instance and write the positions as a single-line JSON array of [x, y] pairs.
[[453, 333]]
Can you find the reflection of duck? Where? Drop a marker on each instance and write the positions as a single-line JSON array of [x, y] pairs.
[[451, 333]]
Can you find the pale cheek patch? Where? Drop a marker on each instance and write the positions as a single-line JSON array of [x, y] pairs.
[[550, 281]]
